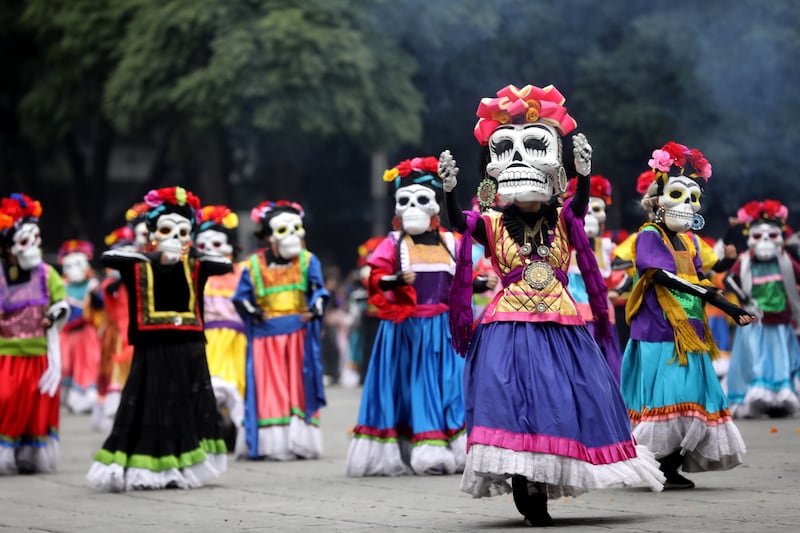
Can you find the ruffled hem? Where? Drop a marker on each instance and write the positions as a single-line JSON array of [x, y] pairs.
[[81, 401], [37, 459], [397, 457], [762, 401], [228, 399], [116, 478], [297, 440], [704, 447], [489, 467]]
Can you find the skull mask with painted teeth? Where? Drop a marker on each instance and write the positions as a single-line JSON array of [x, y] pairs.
[[680, 201], [26, 243], [416, 205], [765, 240], [287, 234], [526, 160]]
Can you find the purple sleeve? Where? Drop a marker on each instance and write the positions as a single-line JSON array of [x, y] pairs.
[[651, 252]]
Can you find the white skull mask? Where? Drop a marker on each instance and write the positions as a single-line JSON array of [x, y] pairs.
[[142, 236], [527, 163], [680, 201], [75, 267], [26, 242], [287, 234], [597, 208], [415, 205], [214, 242], [173, 236], [765, 240], [591, 225]]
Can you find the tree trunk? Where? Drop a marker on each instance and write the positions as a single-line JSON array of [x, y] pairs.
[[377, 191]]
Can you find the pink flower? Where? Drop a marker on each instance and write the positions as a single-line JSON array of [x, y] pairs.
[[661, 160]]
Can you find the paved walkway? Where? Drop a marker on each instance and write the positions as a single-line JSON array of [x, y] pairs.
[[762, 495]]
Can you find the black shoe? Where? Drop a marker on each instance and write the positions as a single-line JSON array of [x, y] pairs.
[[675, 481], [532, 506]]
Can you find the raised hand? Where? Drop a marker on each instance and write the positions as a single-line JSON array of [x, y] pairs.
[[582, 151], [448, 171]]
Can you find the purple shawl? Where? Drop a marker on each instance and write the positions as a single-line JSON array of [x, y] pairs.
[[461, 289]]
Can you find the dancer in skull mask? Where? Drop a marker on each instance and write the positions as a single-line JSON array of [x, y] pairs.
[[766, 356], [412, 407], [281, 297], [542, 405], [32, 308], [675, 402], [166, 432]]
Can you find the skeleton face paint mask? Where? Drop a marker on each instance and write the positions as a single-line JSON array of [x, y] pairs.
[[173, 236], [597, 208], [142, 236], [214, 242], [25, 247], [287, 234], [591, 226], [527, 163], [765, 240], [75, 267], [680, 202], [415, 205]]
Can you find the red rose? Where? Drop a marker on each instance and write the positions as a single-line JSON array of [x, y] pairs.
[[677, 151], [404, 168]]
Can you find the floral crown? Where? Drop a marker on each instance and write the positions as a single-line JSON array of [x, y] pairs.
[[366, 248], [15, 209], [644, 181], [136, 213], [677, 155], [428, 166], [258, 213], [216, 215], [170, 199], [520, 106], [599, 187], [120, 236], [767, 211], [76, 246]]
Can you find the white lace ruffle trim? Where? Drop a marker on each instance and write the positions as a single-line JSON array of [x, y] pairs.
[[705, 447], [488, 469], [368, 457], [37, 459], [284, 443], [761, 401], [116, 478]]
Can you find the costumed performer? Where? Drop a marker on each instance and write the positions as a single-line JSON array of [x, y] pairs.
[[281, 297], [675, 402], [411, 419], [226, 346], [765, 357], [603, 247], [32, 307], [364, 314], [80, 341], [542, 405], [166, 431]]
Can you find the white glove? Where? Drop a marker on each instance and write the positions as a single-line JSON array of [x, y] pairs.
[[582, 151], [51, 378], [448, 171]]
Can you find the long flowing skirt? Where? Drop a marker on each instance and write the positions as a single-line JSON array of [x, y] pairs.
[[80, 367], [28, 419], [411, 418], [283, 430], [764, 364], [166, 432], [679, 408], [542, 403]]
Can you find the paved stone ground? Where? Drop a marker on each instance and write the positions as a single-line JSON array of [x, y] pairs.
[[761, 495]]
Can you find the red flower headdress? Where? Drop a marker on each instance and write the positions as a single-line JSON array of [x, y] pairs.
[[768, 211], [76, 246], [428, 166], [520, 106], [644, 181], [172, 195], [216, 215], [120, 236], [677, 155], [366, 248], [599, 187], [17, 208], [258, 213], [136, 213]]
